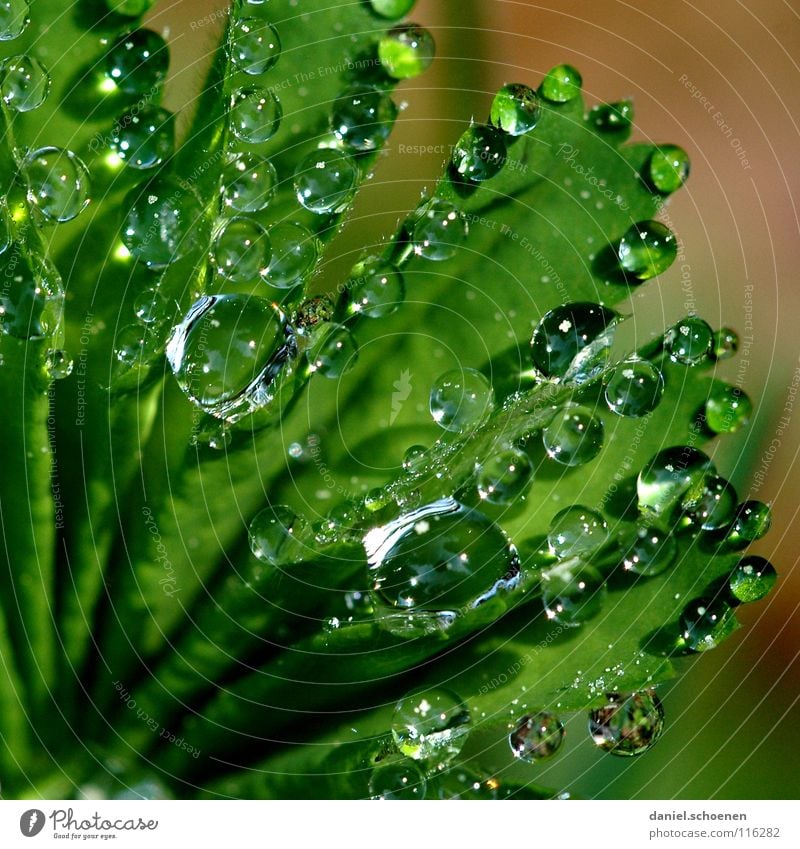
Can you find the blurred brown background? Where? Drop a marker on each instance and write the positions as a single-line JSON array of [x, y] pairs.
[[721, 80]]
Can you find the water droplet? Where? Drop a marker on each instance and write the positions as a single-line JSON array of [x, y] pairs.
[[752, 579], [689, 341], [376, 499], [458, 783], [571, 342], [24, 82], [668, 168], [135, 349], [612, 117], [278, 536], [137, 63], [431, 726], [439, 230], [150, 306], [241, 250], [515, 109], [325, 181], [728, 408], [255, 114], [634, 388], [334, 353], [294, 253], [577, 530], [254, 45], [480, 153], [392, 9], [58, 364], [651, 552], [572, 592], [131, 8], [57, 182], [14, 18], [710, 509], [228, 352], [363, 117], [399, 779], [414, 459], [504, 477], [32, 297], [376, 288], [574, 436], [561, 84], [627, 725], [162, 224], [671, 476], [435, 562], [406, 51], [461, 399], [5, 226], [726, 344], [145, 137], [647, 249], [706, 622], [248, 183], [536, 737], [751, 522]]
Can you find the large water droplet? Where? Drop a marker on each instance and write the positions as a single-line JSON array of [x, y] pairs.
[[144, 138], [24, 83], [515, 109], [574, 436], [651, 551], [634, 388], [228, 351], [254, 45], [57, 182], [461, 399], [752, 579], [137, 62], [241, 250], [571, 342], [294, 253], [435, 562], [392, 9], [440, 229], [162, 224], [278, 536], [710, 509], [728, 409], [363, 117], [561, 84], [706, 622], [375, 288], [572, 592], [577, 530], [248, 183], [627, 725], [150, 306], [689, 341], [255, 114], [399, 779], [668, 168], [726, 344], [751, 522], [414, 459], [431, 726], [647, 249], [673, 475], [14, 18], [334, 352], [324, 181], [504, 476], [536, 737], [480, 153], [406, 51]]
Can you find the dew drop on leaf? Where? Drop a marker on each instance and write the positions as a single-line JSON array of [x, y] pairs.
[[572, 592], [241, 250], [574, 436], [255, 114], [504, 476], [480, 153], [461, 399], [515, 109], [150, 306], [431, 726], [612, 117], [248, 183], [439, 230], [14, 18], [32, 297], [255, 45], [137, 63], [706, 622], [670, 477], [334, 351], [726, 344], [728, 408], [458, 783], [57, 182], [363, 117], [325, 181], [24, 83], [278, 536], [414, 459], [668, 168], [294, 253], [58, 364], [576, 530], [561, 84], [536, 737], [689, 341], [751, 522], [752, 579], [406, 51], [650, 552], [144, 138], [392, 9], [711, 508], [647, 249], [399, 779], [5, 226], [634, 388], [627, 725], [376, 288]]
